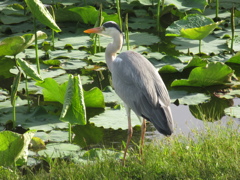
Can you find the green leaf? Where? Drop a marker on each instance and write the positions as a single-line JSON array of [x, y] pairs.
[[12, 146], [74, 110], [193, 26], [94, 98], [28, 70], [87, 135], [89, 15], [52, 90], [41, 13], [235, 59], [13, 45], [115, 119], [215, 73], [184, 5], [59, 150], [233, 111], [186, 98]]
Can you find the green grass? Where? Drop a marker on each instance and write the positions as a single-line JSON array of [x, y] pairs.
[[209, 154]]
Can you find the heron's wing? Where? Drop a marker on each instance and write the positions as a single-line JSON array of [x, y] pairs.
[[139, 85], [134, 70]]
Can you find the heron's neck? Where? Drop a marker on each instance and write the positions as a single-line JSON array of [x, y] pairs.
[[112, 49]]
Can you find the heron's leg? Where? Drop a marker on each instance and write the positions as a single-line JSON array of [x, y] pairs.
[[130, 132], [143, 130]]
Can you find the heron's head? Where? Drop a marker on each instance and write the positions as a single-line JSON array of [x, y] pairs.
[[109, 28]]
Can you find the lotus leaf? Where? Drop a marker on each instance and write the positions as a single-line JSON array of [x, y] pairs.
[[40, 12], [233, 111], [193, 26], [214, 73]]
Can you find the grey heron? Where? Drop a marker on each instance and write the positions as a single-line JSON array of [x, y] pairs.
[[137, 83]]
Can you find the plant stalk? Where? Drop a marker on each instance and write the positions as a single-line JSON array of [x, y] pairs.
[[36, 46], [217, 8], [126, 32], [200, 46], [232, 28], [118, 2], [70, 132]]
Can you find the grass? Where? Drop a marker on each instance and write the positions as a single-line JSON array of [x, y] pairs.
[[209, 154]]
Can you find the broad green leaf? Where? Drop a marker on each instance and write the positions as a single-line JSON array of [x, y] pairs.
[[89, 15], [215, 73], [12, 146], [87, 135], [52, 90], [41, 13], [94, 98], [27, 136], [59, 150], [235, 59], [28, 70], [68, 96], [74, 110], [210, 44], [193, 26], [233, 111], [13, 45], [199, 32], [183, 97], [115, 119], [184, 5]]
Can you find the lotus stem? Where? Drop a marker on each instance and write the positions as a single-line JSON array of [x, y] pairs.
[[70, 132], [36, 46], [118, 2], [53, 33], [200, 46], [27, 93], [232, 28], [126, 32], [158, 16], [217, 8]]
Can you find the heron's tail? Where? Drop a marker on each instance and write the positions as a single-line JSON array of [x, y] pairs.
[[162, 120]]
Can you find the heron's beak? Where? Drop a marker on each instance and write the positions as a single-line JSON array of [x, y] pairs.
[[94, 30]]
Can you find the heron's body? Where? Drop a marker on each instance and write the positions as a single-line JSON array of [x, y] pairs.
[[137, 83]]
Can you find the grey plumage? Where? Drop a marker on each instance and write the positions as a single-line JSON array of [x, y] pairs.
[[140, 86]]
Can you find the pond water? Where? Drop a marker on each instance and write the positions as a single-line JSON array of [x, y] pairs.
[[185, 122]]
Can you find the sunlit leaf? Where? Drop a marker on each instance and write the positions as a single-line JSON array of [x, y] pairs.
[[233, 111], [74, 110], [28, 70], [184, 5], [89, 15], [235, 59], [12, 146], [14, 45], [183, 97], [59, 150], [40, 12], [193, 26], [115, 119], [53, 91], [94, 98], [215, 73]]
